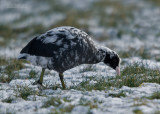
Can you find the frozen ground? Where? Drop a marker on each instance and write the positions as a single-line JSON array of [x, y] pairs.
[[137, 36], [95, 101]]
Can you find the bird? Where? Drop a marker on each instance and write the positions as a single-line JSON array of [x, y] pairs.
[[65, 47]]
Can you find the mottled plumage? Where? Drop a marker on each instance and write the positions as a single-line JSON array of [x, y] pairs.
[[63, 48]]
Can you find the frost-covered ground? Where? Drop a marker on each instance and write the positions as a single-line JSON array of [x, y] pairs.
[[130, 27], [19, 95]]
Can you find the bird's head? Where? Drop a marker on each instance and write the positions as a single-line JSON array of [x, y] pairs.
[[112, 60]]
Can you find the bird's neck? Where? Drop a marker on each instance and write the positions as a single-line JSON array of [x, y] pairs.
[[101, 53]]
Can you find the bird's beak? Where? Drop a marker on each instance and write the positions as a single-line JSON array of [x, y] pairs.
[[118, 71]]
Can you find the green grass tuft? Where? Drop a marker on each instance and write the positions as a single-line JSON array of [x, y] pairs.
[[6, 78], [101, 84], [9, 67], [32, 74], [57, 103], [91, 105], [3, 61], [8, 100], [131, 76], [134, 75], [116, 17], [157, 112], [137, 111], [25, 91], [52, 102], [121, 94], [155, 95], [155, 2], [13, 65]]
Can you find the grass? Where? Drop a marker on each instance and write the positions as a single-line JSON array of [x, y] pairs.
[[140, 103], [60, 108], [85, 84], [6, 111], [155, 2], [120, 94], [52, 102], [137, 111], [56, 86], [157, 112], [71, 20], [32, 74], [134, 75], [24, 92], [57, 103], [131, 76], [3, 61], [7, 33], [13, 65], [92, 104], [72, 17], [86, 69], [142, 52], [116, 17], [66, 109], [10, 66], [155, 95], [8, 100], [6, 78]]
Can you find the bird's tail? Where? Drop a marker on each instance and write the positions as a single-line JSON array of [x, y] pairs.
[[22, 56]]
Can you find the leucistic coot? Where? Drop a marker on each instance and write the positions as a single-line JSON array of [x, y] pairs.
[[63, 48]]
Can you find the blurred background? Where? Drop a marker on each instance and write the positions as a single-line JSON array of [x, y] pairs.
[[130, 27]]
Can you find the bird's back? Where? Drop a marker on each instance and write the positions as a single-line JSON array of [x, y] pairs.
[[65, 46]]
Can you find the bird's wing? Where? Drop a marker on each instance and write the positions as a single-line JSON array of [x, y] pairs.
[[50, 43], [59, 41]]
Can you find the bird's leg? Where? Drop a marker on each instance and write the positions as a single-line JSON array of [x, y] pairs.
[[41, 77], [62, 81], [40, 81]]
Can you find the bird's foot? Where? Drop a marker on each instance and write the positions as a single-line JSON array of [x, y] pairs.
[[40, 86], [37, 83]]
